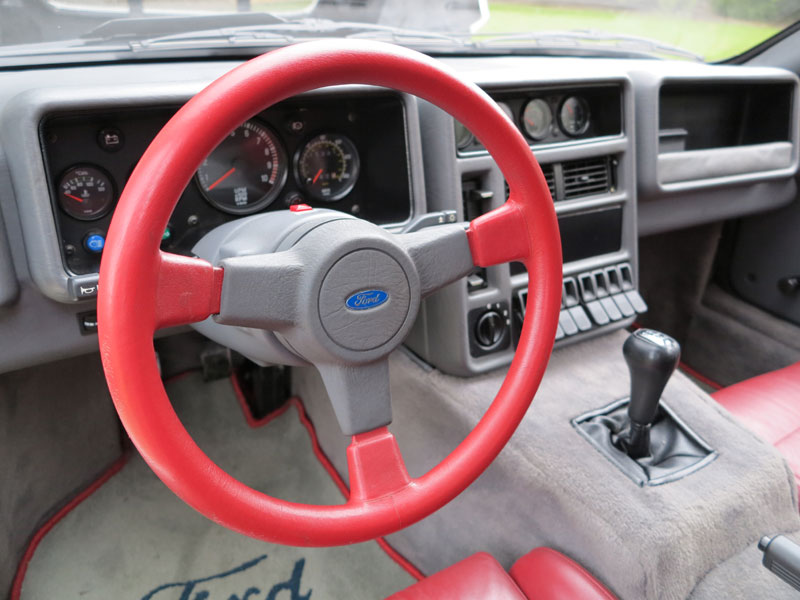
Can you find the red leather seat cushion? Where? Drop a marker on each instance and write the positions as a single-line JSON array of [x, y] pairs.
[[478, 577], [544, 574], [770, 405]]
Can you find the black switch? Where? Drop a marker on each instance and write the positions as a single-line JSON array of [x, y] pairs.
[[489, 328]]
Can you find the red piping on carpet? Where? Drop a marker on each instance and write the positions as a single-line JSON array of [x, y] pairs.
[[699, 376], [181, 375], [326, 463], [116, 466]]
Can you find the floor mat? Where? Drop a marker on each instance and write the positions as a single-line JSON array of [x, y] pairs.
[[133, 538]]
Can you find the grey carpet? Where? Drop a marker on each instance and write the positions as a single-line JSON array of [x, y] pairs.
[[674, 268], [58, 431], [550, 487], [727, 581], [731, 340], [134, 539]]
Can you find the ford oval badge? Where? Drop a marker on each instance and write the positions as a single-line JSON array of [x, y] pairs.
[[366, 299]]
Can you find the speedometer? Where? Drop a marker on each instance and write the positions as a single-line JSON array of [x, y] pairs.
[[246, 172], [327, 167]]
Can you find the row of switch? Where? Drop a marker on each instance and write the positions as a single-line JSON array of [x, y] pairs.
[[596, 298], [605, 294]]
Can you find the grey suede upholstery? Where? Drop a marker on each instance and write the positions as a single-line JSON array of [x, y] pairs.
[[550, 487]]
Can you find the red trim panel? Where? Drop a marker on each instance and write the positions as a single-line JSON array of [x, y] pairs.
[[188, 290]]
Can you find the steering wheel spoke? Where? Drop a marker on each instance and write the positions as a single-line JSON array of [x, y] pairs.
[[188, 290], [359, 394], [375, 465], [261, 290], [441, 255], [499, 236]]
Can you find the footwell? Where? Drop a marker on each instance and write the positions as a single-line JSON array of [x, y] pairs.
[[133, 538]]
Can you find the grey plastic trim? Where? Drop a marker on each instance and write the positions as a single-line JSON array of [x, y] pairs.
[[716, 163], [20, 122], [441, 335], [9, 286], [667, 204]]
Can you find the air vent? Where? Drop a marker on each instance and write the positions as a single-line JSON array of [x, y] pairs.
[[549, 176], [586, 177]]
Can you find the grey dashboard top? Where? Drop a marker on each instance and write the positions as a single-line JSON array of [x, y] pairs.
[[662, 198]]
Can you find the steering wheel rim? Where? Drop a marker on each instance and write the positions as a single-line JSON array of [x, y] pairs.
[[142, 289]]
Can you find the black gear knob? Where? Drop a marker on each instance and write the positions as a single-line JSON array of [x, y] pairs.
[[652, 357]]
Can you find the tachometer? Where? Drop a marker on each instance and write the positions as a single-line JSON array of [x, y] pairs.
[[85, 193], [246, 172], [327, 167], [574, 116]]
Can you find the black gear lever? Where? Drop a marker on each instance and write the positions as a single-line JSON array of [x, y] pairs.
[[652, 357]]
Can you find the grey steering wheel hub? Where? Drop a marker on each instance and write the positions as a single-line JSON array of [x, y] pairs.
[[365, 300], [324, 288]]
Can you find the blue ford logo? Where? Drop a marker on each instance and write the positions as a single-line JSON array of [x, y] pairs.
[[366, 299]]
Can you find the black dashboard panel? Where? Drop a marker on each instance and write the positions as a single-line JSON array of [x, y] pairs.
[[699, 116], [375, 124]]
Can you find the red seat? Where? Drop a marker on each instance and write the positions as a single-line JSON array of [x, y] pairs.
[[769, 404], [542, 574]]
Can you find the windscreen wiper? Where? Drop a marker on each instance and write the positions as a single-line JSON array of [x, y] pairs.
[[586, 39]]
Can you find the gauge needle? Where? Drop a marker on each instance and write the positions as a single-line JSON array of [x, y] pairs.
[[73, 197], [227, 174], [316, 176], [531, 123]]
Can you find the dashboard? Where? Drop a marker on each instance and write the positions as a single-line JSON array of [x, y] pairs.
[[628, 147]]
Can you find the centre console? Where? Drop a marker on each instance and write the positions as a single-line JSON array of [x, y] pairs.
[[581, 133]]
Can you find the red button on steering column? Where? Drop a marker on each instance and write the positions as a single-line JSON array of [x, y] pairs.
[[300, 207]]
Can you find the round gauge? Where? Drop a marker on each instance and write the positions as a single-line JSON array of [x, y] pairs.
[[574, 116], [464, 136], [506, 109], [537, 119], [327, 167], [245, 172], [85, 192]]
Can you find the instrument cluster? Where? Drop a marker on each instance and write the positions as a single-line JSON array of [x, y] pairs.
[[343, 152]]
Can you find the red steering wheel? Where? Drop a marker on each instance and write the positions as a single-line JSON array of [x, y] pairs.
[[143, 289]]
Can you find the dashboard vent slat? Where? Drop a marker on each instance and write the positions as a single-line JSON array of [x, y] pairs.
[[586, 177], [550, 177]]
